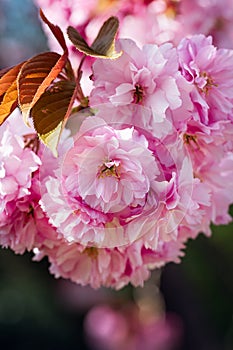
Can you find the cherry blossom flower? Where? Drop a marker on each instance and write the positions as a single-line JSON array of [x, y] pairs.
[[211, 155], [208, 134], [28, 226], [109, 267], [147, 77], [23, 225], [122, 203], [113, 183], [210, 70], [17, 164]]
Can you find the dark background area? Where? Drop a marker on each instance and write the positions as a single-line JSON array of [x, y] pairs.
[[35, 311]]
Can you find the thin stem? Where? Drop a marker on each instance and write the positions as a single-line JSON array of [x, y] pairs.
[[80, 95]]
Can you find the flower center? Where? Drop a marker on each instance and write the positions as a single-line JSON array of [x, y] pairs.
[[138, 94], [191, 141], [92, 252], [173, 7], [207, 83], [31, 141], [30, 211], [109, 169], [189, 138]]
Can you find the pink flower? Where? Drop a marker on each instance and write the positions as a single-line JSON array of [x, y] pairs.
[[209, 130], [211, 155], [146, 77], [112, 184], [17, 164], [143, 88], [20, 231], [116, 267], [109, 267], [122, 203], [95, 266], [110, 169], [23, 225], [209, 70], [28, 227]]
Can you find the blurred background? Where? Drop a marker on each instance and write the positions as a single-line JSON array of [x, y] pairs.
[[182, 307]]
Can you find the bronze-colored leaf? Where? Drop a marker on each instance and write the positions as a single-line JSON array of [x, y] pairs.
[[55, 30], [9, 102], [34, 78], [8, 91], [68, 71], [104, 44], [4, 71], [51, 112], [105, 40], [8, 76], [40, 71], [78, 41]]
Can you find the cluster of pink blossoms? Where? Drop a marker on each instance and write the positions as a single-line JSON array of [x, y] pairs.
[[144, 21], [150, 166]]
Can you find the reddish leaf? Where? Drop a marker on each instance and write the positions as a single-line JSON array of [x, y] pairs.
[[55, 30], [8, 76], [8, 91], [34, 78], [4, 71], [40, 71], [104, 44], [51, 112]]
